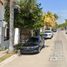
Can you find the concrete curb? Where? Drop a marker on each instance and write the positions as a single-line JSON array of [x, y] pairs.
[[8, 60]]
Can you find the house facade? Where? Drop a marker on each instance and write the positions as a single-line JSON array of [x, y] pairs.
[[2, 10], [1, 13]]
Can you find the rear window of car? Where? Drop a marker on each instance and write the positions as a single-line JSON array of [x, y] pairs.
[[47, 31]]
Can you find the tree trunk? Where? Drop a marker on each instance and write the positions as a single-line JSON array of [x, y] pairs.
[[32, 33], [11, 43]]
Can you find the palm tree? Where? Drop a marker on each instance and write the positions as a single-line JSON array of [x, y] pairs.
[[11, 43], [26, 6]]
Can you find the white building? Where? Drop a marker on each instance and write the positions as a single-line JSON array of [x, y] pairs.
[[2, 26]]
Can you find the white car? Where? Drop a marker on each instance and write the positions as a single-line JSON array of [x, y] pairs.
[[48, 34]]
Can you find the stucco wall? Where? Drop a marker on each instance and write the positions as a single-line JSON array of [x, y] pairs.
[[1, 11]]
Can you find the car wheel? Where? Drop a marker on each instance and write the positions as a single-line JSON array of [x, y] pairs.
[[51, 37], [43, 46], [39, 50], [66, 32]]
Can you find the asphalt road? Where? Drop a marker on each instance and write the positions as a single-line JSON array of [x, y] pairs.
[[53, 55]]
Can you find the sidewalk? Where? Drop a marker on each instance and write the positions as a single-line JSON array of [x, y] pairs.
[[2, 53], [8, 60]]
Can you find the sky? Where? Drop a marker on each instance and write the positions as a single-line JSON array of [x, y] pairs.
[[56, 6]]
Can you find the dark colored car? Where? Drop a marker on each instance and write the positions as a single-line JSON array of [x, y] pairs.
[[33, 45]]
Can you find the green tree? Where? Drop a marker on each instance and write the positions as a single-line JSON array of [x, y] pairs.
[[56, 16], [7, 10], [7, 15], [63, 25], [49, 19], [30, 16], [30, 13]]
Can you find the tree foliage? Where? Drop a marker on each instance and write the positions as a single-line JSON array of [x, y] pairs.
[[63, 25], [7, 10], [30, 15], [50, 19]]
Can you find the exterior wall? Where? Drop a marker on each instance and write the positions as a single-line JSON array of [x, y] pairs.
[[1, 22], [1, 13], [16, 37]]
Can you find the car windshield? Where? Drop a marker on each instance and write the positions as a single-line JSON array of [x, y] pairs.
[[31, 42], [33, 39]]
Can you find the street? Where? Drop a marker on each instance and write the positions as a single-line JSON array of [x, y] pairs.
[[53, 55]]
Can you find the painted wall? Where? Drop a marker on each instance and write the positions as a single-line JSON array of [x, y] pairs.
[[16, 37], [1, 11]]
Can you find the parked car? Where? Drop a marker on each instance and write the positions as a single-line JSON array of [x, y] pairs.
[[48, 34], [33, 45], [66, 31], [54, 30]]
